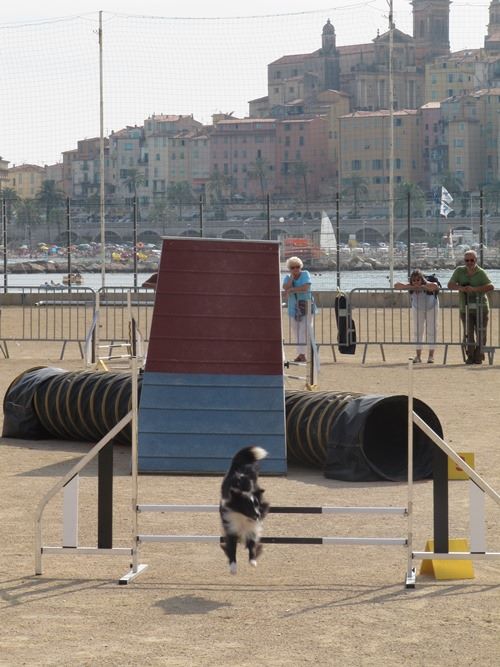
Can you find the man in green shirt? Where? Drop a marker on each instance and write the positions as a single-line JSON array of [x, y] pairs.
[[472, 282]]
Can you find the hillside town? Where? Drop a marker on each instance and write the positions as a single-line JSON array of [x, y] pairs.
[[321, 128]]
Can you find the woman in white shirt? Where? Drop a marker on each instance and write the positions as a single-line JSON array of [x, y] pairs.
[[425, 310]]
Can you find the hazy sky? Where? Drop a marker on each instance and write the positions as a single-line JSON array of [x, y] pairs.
[[157, 60]]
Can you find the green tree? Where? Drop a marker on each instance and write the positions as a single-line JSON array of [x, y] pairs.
[[160, 213], [491, 193], [417, 199], [180, 194], [452, 183], [259, 171], [218, 186], [11, 199], [301, 171], [356, 188], [28, 215], [50, 199]]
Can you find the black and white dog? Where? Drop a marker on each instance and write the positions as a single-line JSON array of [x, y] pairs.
[[242, 506]]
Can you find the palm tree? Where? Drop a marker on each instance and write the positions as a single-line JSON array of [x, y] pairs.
[[134, 180], [50, 198], [217, 185], [160, 213], [11, 199], [301, 171], [28, 215], [417, 199], [357, 186], [492, 194], [452, 183], [180, 194], [258, 171]]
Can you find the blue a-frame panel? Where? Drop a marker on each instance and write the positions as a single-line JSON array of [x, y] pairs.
[[213, 381]]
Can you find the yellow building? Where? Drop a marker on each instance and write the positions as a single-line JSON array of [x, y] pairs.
[[26, 180], [457, 74], [471, 133], [365, 150]]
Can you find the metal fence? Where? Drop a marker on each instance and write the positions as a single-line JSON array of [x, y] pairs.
[[382, 317]]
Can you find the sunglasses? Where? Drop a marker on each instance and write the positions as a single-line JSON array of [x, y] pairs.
[[295, 267], [470, 261]]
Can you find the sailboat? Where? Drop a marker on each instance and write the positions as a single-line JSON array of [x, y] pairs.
[[327, 239]]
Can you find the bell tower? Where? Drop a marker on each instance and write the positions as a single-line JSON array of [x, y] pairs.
[[492, 39], [431, 29], [328, 39]]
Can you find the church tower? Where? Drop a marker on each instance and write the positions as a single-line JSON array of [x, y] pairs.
[[431, 29], [492, 39], [331, 80], [328, 39]]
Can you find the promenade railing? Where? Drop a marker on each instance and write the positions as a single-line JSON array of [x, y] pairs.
[[382, 317]]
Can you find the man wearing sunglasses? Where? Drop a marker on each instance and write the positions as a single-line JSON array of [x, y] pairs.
[[472, 282]]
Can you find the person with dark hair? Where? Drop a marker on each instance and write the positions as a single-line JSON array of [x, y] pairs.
[[425, 310], [473, 283]]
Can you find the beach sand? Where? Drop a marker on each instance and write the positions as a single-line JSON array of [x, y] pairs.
[[302, 605]]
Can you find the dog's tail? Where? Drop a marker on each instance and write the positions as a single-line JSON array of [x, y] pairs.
[[247, 456]]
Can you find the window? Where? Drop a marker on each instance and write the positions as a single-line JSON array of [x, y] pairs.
[[301, 141], [376, 164], [356, 165]]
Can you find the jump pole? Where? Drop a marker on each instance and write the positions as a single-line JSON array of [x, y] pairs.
[[478, 489], [410, 570]]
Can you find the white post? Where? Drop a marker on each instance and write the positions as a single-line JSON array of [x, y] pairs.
[[410, 572], [477, 526], [70, 512]]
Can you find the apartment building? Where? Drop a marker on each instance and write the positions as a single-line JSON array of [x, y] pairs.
[[303, 165], [365, 148], [128, 176], [81, 168], [165, 155], [457, 74], [4, 173], [25, 179], [244, 152], [434, 151], [471, 131]]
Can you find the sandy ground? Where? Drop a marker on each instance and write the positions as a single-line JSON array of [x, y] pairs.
[[321, 605]]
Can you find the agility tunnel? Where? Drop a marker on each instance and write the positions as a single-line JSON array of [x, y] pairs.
[[352, 437], [358, 437]]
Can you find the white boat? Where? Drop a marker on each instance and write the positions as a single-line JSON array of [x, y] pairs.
[[327, 239]]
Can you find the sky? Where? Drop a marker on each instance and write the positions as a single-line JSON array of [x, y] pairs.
[[202, 58]]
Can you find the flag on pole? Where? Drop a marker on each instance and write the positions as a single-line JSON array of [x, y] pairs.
[[445, 196], [445, 209], [446, 200]]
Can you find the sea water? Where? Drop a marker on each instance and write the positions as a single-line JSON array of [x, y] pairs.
[[321, 281]]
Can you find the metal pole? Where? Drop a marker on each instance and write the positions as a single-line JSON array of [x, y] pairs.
[[337, 227], [134, 217], [201, 216], [4, 243], [481, 229], [391, 150], [68, 239], [268, 213], [408, 218], [101, 159]]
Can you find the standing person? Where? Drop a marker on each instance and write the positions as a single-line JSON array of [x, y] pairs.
[[473, 283], [297, 290], [425, 310]]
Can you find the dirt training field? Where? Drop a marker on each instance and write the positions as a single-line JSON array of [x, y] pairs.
[[302, 605]]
